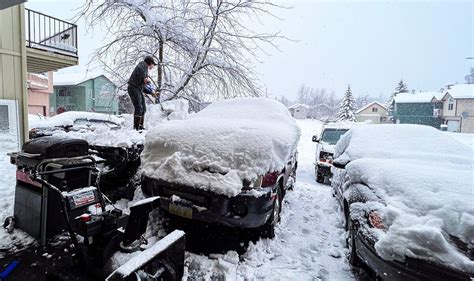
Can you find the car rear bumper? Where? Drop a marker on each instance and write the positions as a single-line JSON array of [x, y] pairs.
[[411, 269], [242, 211]]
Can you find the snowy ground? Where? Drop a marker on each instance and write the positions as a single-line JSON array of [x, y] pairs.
[[309, 242]]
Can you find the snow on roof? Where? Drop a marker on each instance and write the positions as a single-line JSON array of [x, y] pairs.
[[67, 79], [298, 105], [342, 125], [460, 91], [369, 105], [425, 178], [225, 143], [417, 97]]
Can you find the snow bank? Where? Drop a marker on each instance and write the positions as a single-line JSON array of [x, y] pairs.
[[221, 145], [426, 179]]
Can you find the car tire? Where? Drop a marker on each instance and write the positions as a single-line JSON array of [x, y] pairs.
[[352, 254], [268, 229], [319, 176]]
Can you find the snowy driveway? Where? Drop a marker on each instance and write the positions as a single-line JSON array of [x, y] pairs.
[[309, 242]]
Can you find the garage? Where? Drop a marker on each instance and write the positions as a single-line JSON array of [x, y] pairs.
[[453, 126]]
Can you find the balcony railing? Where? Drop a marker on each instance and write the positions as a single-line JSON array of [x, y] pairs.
[[50, 34]]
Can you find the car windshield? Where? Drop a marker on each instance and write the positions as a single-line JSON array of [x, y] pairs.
[[331, 136]]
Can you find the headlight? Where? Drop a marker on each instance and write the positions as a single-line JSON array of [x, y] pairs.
[[257, 183]]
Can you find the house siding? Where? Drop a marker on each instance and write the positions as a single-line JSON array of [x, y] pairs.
[[94, 95], [13, 62], [467, 123], [417, 113], [375, 117]]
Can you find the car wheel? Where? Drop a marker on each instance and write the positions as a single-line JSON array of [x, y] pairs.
[[268, 229], [319, 176], [352, 255]]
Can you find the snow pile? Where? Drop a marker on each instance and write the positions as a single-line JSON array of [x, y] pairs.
[[425, 179], [68, 118], [124, 136], [218, 147]]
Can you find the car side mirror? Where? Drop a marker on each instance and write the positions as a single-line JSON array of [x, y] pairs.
[[340, 164], [315, 138]]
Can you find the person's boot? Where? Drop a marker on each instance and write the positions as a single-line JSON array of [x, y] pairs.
[[136, 122], [142, 120]]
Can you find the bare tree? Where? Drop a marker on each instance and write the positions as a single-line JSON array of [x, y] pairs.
[[204, 48]]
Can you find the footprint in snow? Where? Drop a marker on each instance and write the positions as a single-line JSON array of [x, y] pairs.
[[305, 231]]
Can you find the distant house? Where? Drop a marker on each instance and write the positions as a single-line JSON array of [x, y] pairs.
[[40, 88], [418, 108], [79, 92], [299, 111], [458, 108], [374, 111]]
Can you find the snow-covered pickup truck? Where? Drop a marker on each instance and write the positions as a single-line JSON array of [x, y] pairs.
[[325, 143], [229, 164], [407, 193]]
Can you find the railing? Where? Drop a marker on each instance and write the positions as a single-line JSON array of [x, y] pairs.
[[50, 34]]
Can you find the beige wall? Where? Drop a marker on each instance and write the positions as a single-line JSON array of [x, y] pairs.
[[39, 89], [447, 112], [375, 117], [13, 61], [466, 105]]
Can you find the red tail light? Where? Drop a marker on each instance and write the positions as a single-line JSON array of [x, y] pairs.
[[376, 221], [269, 179]]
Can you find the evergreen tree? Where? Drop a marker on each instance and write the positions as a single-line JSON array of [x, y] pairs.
[[347, 107], [400, 88], [470, 77]]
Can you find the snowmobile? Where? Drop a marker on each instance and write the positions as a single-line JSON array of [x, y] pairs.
[[59, 202]]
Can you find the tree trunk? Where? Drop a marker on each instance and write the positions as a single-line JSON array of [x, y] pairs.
[[160, 67]]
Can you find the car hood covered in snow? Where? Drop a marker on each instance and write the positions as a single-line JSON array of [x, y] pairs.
[[425, 179], [68, 118], [225, 143]]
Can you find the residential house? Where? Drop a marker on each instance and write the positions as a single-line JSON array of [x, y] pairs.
[[418, 108], [30, 42], [374, 111], [40, 87], [458, 108], [80, 92], [299, 111]]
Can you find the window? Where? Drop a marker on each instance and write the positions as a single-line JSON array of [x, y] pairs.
[[450, 104], [374, 109]]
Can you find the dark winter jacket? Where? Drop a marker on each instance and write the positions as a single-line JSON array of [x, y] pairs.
[[138, 75]]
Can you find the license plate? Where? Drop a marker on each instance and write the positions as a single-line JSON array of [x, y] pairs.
[[180, 210], [83, 198]]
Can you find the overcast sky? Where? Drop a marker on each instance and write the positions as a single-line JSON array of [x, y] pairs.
[[369, 44]]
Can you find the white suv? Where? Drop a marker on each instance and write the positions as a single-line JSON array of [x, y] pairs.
[[325, 143]]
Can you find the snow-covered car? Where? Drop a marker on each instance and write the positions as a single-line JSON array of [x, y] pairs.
[[330, 134], [407, 193], [72, 121], [229, 164]]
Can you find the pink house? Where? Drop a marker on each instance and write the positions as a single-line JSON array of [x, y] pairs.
[[40, 86]]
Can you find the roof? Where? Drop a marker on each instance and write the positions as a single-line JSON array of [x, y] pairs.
[[460, 91], [369, 105], [68, 79], [417, 97], [298, 105]]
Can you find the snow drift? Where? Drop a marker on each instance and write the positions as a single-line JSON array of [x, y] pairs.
[[424, 179], [225, 143], [68, 118]]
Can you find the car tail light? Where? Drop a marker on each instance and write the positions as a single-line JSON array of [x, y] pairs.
[[269, 179], [325, 157], [375, 220], [262, 181]]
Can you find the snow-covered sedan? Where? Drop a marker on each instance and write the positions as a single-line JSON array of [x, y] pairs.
[[407, 192], [72, 121], [229, 164]]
